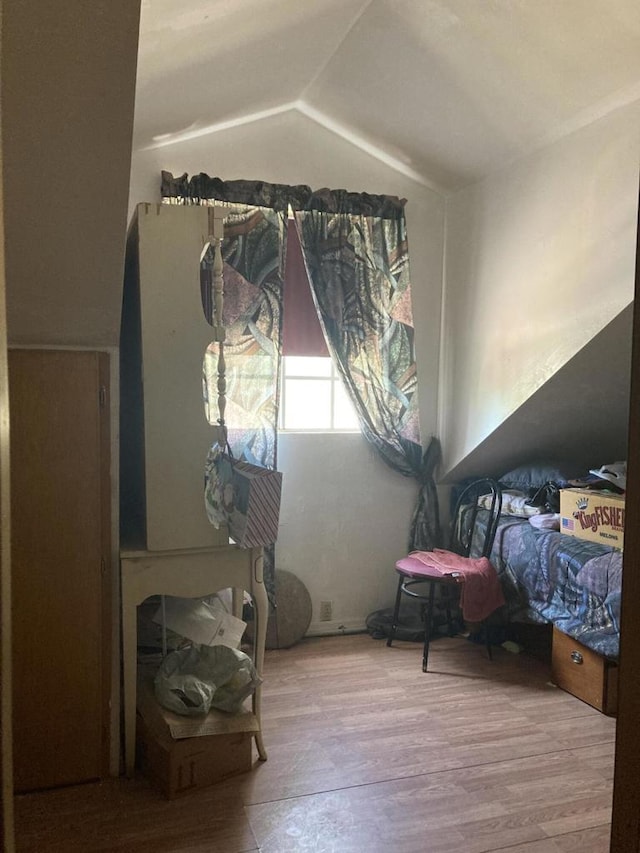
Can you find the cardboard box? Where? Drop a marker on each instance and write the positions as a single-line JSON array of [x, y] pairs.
[[181, 754], [179, 766], [595, 515]]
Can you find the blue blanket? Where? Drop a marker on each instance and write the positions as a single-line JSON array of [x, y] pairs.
[[549, 576]]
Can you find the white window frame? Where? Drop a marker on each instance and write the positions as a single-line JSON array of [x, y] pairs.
[[333, 378]]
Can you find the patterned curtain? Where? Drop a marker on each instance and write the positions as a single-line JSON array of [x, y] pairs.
[[358, 266], [425, 532], [252, 317], [359, 272], [253, 255]]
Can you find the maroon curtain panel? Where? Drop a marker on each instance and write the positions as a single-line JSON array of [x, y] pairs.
[[302, 334]]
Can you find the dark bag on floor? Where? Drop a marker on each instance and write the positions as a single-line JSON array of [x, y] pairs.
[[410, 625]]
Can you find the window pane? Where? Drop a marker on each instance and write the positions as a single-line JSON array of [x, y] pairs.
[[306, 366], [307, 404], [344, 415]]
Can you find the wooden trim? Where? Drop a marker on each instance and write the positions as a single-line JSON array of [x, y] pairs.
[[6, 734], [625, 824], [104, 369]]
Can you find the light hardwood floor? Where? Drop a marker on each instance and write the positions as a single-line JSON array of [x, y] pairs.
[[369, 755]]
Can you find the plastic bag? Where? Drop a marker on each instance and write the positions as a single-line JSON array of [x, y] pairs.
[[193, 680]]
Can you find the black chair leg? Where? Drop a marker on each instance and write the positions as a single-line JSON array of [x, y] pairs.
[[487, 640], [427, 627], [396, 611], [447, 604]]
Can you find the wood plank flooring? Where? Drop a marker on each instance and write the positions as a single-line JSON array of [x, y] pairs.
[[369, 755]]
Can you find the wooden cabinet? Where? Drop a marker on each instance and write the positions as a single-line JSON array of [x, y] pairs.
[[60, 500], [164, 433]]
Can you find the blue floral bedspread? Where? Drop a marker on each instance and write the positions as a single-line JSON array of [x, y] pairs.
[[549, 576]]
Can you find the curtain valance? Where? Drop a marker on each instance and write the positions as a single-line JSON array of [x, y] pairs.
[[200, 188]]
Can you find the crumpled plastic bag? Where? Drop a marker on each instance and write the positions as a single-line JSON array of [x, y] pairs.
[[193, 680]]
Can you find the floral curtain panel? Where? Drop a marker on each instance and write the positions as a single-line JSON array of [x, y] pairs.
[[358, 266], [252, 252]]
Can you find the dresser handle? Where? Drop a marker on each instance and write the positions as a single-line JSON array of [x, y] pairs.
[[576, 657]]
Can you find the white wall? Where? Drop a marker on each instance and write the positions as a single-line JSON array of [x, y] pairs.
[[345, 514], [68, 81], [345, 518], [539, 258]]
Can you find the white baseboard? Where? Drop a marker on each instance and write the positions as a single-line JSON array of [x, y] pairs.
[[344, 626]]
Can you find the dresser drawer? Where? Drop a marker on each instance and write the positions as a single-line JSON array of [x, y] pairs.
[[584, 673]]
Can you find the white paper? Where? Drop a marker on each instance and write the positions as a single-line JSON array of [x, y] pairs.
[[204, 622]]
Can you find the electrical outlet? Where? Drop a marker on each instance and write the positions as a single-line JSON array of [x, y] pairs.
[[326, 611]]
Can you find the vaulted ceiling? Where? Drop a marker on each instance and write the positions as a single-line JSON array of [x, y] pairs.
[[446, 91]]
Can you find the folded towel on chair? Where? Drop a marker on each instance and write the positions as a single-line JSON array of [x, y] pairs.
[[480, 591]]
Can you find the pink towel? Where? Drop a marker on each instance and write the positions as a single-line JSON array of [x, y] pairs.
[[480, 593]]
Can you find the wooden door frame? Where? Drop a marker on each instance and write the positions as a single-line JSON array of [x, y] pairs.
[[625, 824], [6, 709]]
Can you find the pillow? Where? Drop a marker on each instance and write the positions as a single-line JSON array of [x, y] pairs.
[[528, 477], [513, 503]]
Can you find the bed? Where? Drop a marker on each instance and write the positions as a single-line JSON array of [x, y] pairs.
[[548, 576], [553, 577]]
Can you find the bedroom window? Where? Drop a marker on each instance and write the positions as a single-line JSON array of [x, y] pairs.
[[313, 397]]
